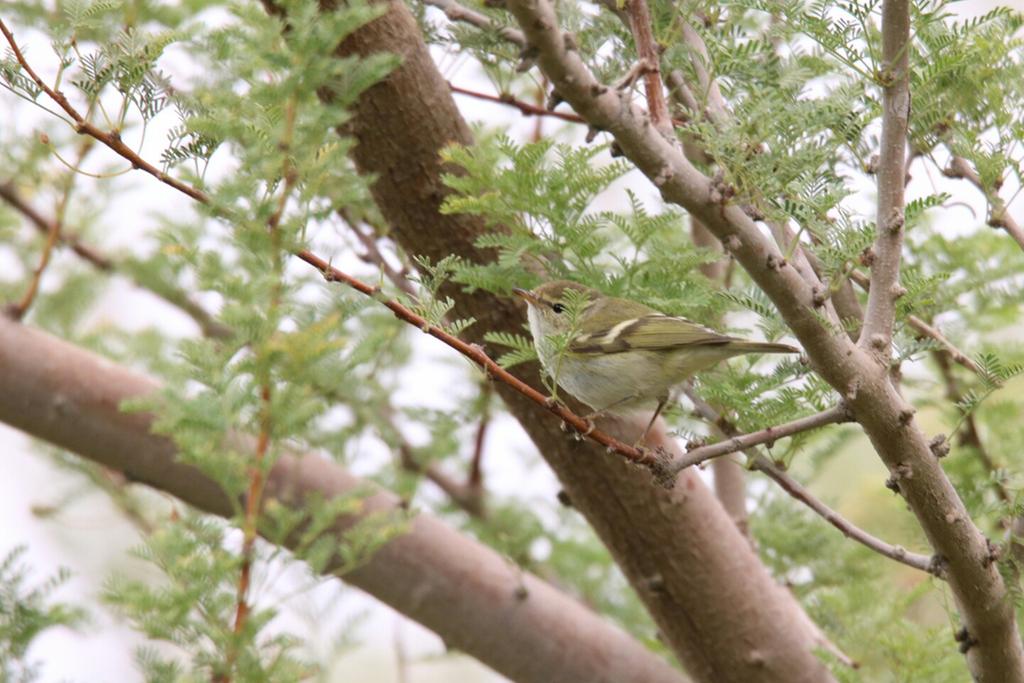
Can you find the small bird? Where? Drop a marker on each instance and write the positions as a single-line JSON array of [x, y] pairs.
[[623, 356]]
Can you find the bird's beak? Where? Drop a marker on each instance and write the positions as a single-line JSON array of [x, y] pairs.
[[526, 295]]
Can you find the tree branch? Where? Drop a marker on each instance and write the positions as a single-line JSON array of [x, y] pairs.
[[524, 107], [739, 442], [505, 617], [208, 325], [456, 12], [650, 56], [894, 75], [476, 354], [999, 214], [763, 464], [926, 330], [44, 225]]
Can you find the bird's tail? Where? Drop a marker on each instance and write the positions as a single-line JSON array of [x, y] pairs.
[[761, 347]]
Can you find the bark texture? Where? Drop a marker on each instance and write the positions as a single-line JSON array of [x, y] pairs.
[[468, 594], [715, 603]]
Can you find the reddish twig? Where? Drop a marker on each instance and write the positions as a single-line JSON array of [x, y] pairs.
[[257, 469], [54, 229], [647, 50], [17, 311], [373, 255], [109, 138], [524, 107], [331, 274], [476, 354]]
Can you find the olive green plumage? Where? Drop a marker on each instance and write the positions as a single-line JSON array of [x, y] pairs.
[[624, 356]]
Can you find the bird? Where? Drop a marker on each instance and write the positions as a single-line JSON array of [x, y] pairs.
[[620, 356]]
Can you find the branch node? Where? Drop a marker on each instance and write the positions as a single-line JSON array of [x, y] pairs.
[[665, 175], [871, 166], [615, 151], [720, 191], [521, 593], [879, 342], [906, 415], [564, 499], [527, 59], [898, 291], [660, 466], [819, 295], [901, 471], [895, 220], [966, 640], [569, 41], [995, 553], [597, 89], [937, 566], [755, 213], [732, 243], [939, 446], [775, 262], [867, 257]]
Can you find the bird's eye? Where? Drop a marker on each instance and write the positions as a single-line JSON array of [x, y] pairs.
[[557, 308]]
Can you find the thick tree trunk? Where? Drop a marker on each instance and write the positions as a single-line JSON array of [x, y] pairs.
[[715, 603]]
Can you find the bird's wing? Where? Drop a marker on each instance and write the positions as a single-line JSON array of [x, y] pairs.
[[651, 332]]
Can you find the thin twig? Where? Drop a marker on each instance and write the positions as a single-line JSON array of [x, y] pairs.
[[471, 351], [835, 415], [970, 436], [476, 354], [524, 107], [926, 330], [53, 236], [999, 214], [44, 225], [894, 76], [109, 138], [475, 479], [208, 324], [763, 464], [257, 468], [460, 494], [374, 256], [456, 12]]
